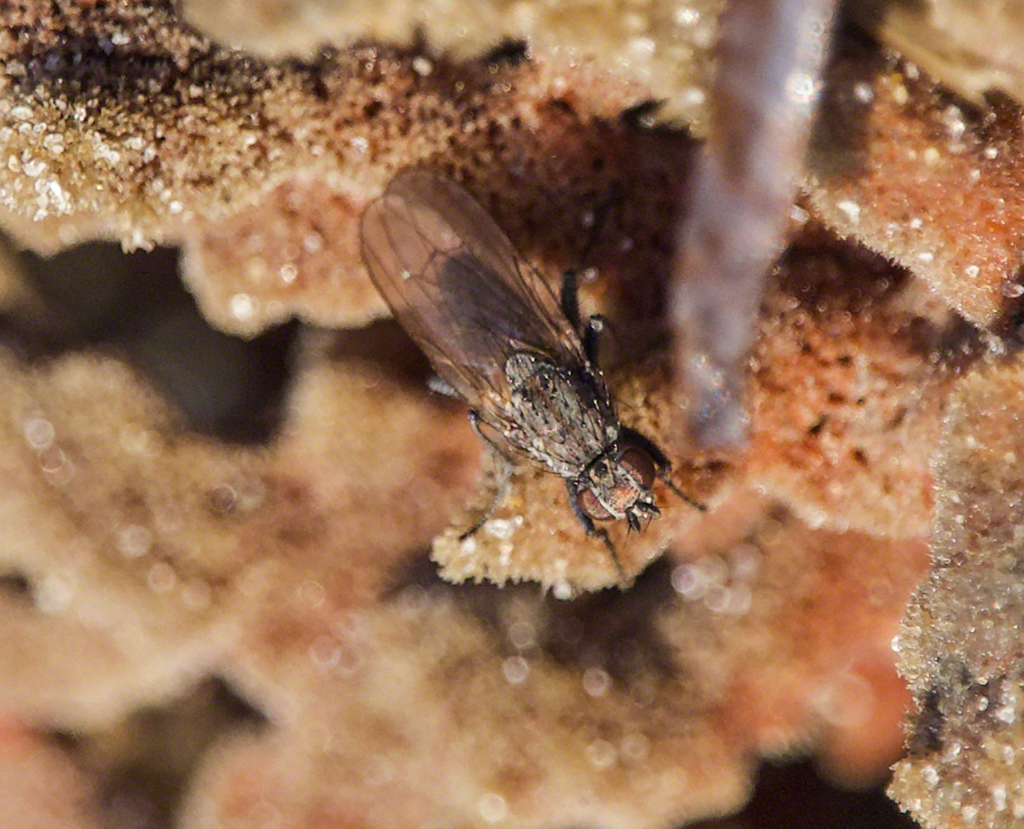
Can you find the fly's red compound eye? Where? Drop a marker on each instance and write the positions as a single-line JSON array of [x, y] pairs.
[[591, 507], [640, 465]]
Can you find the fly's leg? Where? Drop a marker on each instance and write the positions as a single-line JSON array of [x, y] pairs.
[[507, 468], [588, 525], [569, 299], [662, 466]]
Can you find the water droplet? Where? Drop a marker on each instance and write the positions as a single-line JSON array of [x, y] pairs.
[[685, 16], [242, 306], [851, 209], [635, 748], [288, 274], [493, 807], [196, 594], [311, 593], [223, 498], [800, 86], [312, 242], [863, 92], [421, 66], [516, 670], [522, 635], [601, 754], [54, 591], [39, 433], [161, 577], [133, 540], [562, 590], [596, 682], [325, 652], [745, 562]]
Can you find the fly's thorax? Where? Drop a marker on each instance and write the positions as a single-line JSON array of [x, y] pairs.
[[562, 414], [618, 485]]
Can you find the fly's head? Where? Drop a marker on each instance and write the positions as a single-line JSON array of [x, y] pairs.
[[618, 485]]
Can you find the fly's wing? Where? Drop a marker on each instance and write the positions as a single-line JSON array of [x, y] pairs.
[[455, 284]]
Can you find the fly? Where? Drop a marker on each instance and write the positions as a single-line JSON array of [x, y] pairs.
[[499, 338]]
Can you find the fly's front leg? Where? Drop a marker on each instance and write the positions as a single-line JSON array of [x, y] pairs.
[[588, 524], [570, 302], [569, 298]]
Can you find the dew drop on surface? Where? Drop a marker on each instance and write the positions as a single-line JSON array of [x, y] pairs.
[[596, 682], [738, 601], [686, 16], [516, 670], [312, 242], [196, 594], [54, 591], [522, 635], [311, 593], [325, 652], [133, 540], [39, 433], [1012, 290], [635, 748], [745, 562], [863, 92], [493, 807], [562, 590], [716, 599], [161, 578], [242, 307], [223, 498], [601, 754], [55, 464], [800, 87], [288, 274], [688, 582], [851, 209]]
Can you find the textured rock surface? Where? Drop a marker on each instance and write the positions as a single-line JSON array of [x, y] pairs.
[[151, 554]]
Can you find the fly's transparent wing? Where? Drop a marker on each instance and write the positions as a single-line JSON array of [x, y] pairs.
[[455, 284]]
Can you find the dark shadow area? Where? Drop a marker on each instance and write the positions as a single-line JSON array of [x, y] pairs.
[[795, 797], [94, 295], [143, 765]]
